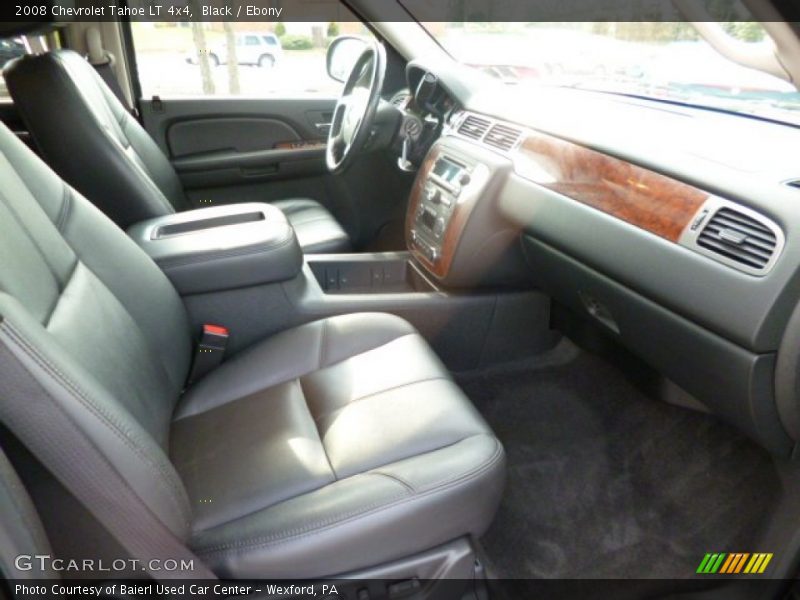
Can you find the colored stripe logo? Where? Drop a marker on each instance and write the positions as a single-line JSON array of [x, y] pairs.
[[734, 563]]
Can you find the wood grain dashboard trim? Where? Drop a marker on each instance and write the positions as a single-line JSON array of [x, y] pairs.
[[651, 201], [301, 145]]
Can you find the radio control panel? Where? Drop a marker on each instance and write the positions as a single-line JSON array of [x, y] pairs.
[[452, 217], [440, 194]]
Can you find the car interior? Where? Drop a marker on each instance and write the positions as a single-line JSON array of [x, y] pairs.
[[434, 334]]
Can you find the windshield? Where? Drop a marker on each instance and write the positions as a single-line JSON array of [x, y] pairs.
[[663, 60]]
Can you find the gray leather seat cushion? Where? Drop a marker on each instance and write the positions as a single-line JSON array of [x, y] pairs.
[[316, 229], [333, 442]]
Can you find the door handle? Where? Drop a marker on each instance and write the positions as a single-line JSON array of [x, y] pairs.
[[323, 127]]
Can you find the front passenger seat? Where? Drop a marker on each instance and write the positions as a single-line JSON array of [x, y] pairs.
[[88, 137], [328, 448]]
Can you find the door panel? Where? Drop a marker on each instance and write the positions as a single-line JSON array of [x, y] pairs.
[[300, 114], [194, 137], [231, 142]]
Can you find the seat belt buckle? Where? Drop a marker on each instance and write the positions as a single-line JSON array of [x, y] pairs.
[[209, 352]]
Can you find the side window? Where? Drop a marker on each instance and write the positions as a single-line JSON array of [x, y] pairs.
[[268, 58], [10, 48]]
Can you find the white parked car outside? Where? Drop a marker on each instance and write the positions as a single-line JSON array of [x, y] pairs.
[[252, 48]]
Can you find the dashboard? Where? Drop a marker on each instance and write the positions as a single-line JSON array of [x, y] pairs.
[[675, 229]]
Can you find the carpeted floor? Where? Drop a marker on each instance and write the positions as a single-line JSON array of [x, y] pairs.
[[604, 482]]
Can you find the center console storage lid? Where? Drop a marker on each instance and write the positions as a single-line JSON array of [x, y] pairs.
[[220, 248]]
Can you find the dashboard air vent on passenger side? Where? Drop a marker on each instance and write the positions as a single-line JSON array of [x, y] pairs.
[[739, 238], [502, 136], [473, 127]]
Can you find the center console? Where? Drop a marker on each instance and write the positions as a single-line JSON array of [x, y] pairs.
[[466, 329], [239, 266], [222, 247]]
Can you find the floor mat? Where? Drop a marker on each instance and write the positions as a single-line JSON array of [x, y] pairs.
[[604, 482]]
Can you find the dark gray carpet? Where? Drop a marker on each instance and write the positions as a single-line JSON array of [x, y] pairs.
[[605, 482]]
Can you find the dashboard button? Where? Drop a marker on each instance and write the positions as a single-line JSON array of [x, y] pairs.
[[438, 228], [434, 195]]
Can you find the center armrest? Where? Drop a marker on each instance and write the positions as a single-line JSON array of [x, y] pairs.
[[223, 247]]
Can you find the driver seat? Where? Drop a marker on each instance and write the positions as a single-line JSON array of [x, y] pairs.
[[93, 142]]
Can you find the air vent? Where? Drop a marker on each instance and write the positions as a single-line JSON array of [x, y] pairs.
[[739, 238], [473, 127], [502, 136]]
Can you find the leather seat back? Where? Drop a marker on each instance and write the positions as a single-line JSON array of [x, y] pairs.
[[90, 329], [90, 139]]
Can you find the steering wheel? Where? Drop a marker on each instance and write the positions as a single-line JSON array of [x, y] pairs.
[[355, 110]]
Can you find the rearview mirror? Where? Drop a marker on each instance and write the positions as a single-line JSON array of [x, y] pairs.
[[342, 55]]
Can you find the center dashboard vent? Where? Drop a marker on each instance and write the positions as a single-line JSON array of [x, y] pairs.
[[503, 137], [474, 127], [740, 238]]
